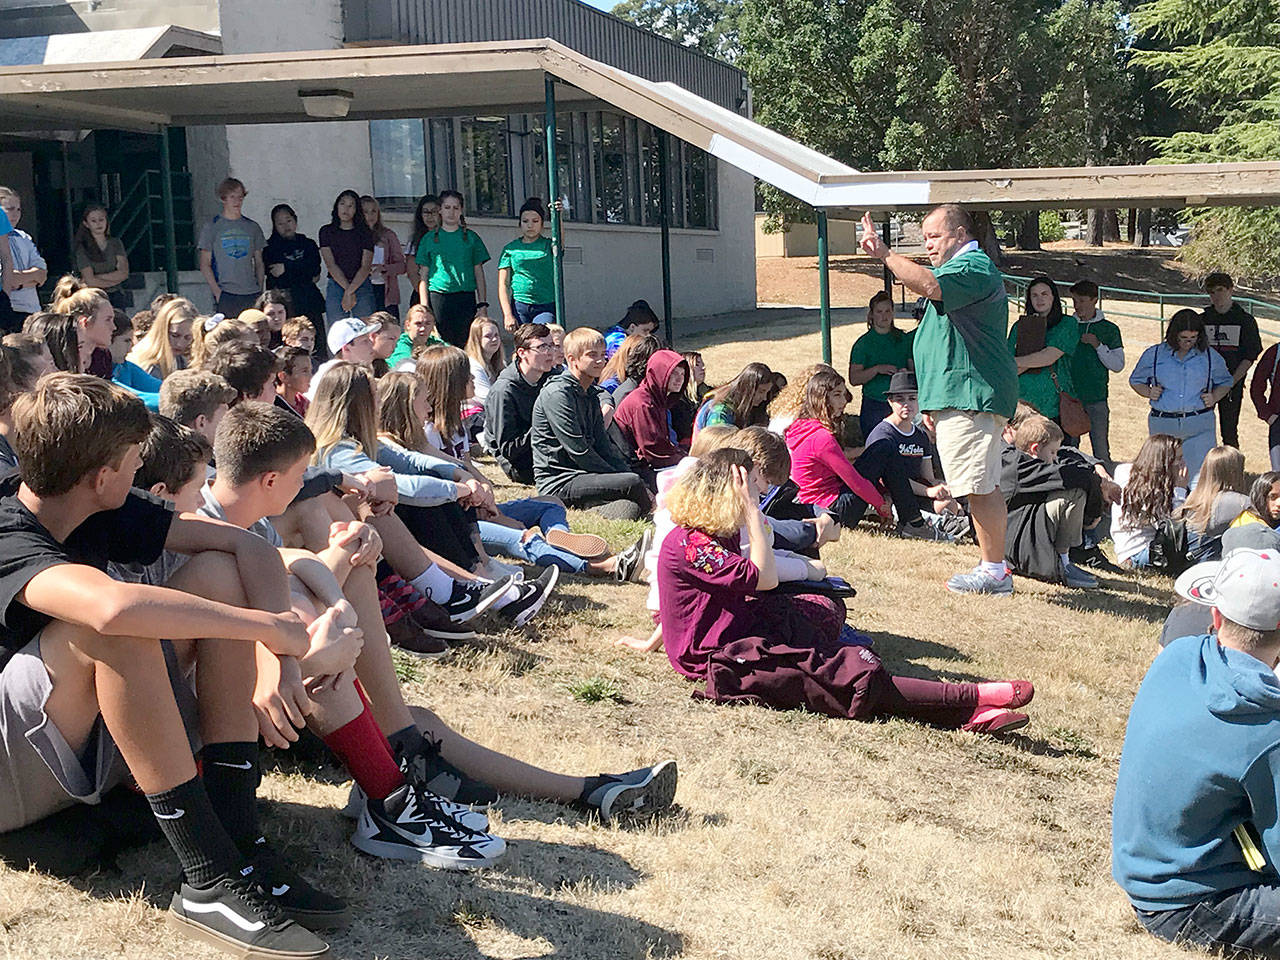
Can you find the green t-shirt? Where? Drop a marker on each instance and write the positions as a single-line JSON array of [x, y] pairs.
[[531, 268], [1087, 372], [404, 348], [963, 360], [1036, 387], [450, 259], [872, 349]]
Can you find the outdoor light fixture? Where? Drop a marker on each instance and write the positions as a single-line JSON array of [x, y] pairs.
[[326, 104]]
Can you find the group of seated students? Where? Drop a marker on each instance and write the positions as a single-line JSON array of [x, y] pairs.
[[308, 522]]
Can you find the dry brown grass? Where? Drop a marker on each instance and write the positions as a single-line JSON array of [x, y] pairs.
[[795, 836]]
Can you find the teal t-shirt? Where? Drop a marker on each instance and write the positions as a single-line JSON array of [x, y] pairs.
[[1036, 387], [1091, 378], [450, 259], [872, 349], [963, 360], [531, 270]]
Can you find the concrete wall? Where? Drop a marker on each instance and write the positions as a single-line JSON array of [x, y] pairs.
[[802, 239]]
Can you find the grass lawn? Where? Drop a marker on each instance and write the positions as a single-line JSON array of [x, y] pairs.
[[794, 836]]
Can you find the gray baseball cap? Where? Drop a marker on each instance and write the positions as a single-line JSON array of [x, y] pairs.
[[1250, 536], [1244, 588]]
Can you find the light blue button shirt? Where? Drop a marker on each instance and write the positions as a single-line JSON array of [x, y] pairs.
[[1183, 379]]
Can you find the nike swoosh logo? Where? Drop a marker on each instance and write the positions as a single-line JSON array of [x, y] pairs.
[[171, 816], [245, 765], [280, 891]]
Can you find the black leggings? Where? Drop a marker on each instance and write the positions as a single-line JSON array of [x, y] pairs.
[[880, 463], [454, 313]]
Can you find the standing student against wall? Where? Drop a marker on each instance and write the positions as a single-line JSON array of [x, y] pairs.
[[526, 272], [293, 265], [100, 258], [452, 259], [231, 253], [29, 269], [346, 246], [388, 259]]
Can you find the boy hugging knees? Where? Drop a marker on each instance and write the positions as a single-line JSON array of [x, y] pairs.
[[1051, 495], [86, 691]]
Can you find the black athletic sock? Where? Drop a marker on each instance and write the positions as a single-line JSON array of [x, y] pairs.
[[188, 822], [404, 742], [592, 784], [231, 780]]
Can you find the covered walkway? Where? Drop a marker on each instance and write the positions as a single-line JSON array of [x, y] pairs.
[[364, 83]]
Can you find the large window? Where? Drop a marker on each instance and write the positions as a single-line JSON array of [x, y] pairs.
[[608, 167]]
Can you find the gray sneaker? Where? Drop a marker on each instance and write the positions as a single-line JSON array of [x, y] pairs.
[[1073, 576], [922, 530], [978, 580]]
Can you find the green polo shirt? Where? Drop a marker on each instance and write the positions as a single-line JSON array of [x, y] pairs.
[[450, 259], [1087, 372], [964, 363], [872, 349], [531, 267], [1037, 386]]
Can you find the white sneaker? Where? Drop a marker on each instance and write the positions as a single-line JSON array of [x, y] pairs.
[[474, 820]]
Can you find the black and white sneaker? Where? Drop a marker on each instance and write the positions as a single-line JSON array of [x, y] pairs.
[[640, 793], [530, 598], [238, 916], [474, 820], [630, 566], [471, 598], [409, 825], [298, 899]]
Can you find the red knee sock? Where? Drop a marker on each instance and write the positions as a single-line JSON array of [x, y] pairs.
[[364, 751]]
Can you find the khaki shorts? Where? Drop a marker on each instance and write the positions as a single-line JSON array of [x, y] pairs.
[[969, 445]]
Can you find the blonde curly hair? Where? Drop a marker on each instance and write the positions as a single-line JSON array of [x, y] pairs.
[[704, 498]]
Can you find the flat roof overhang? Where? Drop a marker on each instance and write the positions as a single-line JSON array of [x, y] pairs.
[[508, 77]]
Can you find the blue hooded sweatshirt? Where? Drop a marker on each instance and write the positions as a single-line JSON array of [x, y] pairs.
[[1200, 757]]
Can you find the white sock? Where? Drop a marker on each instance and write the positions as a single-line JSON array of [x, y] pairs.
[[997, 570], [1065, 558], [434, 584]]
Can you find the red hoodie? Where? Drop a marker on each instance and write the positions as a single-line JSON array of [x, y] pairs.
[[644, 414], [1265, 386], [820, 468]]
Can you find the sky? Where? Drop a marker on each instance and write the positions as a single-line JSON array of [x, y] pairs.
[[602, 4]]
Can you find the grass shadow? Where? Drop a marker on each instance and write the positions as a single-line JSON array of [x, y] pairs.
[[898, 651], [1139, 600]]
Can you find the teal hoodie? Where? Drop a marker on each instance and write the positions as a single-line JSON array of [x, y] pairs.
[[1200, 757]]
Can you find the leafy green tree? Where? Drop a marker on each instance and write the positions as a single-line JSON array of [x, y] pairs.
[[1219, 66], [710, 26]]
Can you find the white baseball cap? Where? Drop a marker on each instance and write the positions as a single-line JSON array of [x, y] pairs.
[[1244, 588], [347, 329]]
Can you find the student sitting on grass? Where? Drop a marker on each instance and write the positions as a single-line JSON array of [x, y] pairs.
[[299, 332], [343, 417], [916, 449], [293, 379], [1153, 487], [217, 330], [508, 414], [419, 331], [167, 345], [198, 399], [407, 419], [1264, 501], [18, 375], [430, 756], [639, 319], [1218, 499], [741, 402], [644, 415], [718, 629], [573, 456], [785, 407], [1195, 836], [125, 373], [1046, 500], [827, 479], [84, 663], [625, 369]]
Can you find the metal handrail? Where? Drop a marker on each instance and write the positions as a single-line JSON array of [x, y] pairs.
[[1020, 285]]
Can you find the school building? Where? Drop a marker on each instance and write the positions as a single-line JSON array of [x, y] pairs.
[[608, 161]]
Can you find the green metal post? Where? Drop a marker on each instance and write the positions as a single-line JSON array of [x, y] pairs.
[[553, 191], [888, 274], [824, 287], [166, 198], [1162, 316], [664, 199]]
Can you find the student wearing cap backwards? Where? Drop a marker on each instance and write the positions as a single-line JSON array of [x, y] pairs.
[[349, 339], [1195, 836]]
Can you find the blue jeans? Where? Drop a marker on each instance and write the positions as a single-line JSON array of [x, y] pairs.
[[510, 540], [365, 303], [1198, 434], [534, 312], [1245, 920]]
